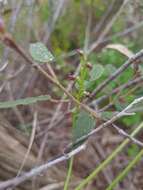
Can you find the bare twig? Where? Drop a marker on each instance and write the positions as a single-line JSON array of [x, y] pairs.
[[18, 180], [108, 171], [55, 116], [111, 11], [4, 66], [2, 86], [14, 15], [124, 33], [133, 82], [106, 39], [122, 132], [7, 40], [118, 95], [125, 112], [11, 27], [36, 171], [53, 186], [108, 25], [87, 31], [30, 143], [112, 77], [60, 4]]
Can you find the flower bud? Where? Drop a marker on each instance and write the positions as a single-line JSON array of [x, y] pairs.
[[89, 65], [80, 52]]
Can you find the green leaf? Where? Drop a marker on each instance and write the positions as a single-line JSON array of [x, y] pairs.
[[40, 53], [110, 69], [133, 150], [96, 72], [120, 106], [90, 85], [25, 101], [130, 121], [83, 124], [107, 114]]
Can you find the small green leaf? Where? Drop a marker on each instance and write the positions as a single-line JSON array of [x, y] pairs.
[[107, 114], [96, 72], [83, 125], [133, 150], [110, 69], [120, 106], [40, 53], [90, 85], [25, 101]]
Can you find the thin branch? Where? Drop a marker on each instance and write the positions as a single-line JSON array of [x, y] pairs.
[[36, 171], [55, 116], [8, 40], [30, 143], [124, 112], [123, 33], [118, 95], [14, 16], [4, 66], [108, 26], [123, 133], [104, 26], [127, 110], [112, 77], [131, 83], [3, 86], [106, 39], [106, 107], [111, 11], [87, 31], [67, 154], [60, 5]]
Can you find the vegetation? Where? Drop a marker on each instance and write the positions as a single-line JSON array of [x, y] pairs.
[[71, 94]]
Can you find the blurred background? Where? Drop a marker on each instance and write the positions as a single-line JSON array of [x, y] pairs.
[[66, 26]]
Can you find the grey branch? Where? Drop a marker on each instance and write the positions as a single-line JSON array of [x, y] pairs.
[[122, 132], [38, 170], [125, 112], [131, 83], [34, 172], [130, 61]]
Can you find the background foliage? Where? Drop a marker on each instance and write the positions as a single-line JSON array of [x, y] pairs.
[[69, 29]]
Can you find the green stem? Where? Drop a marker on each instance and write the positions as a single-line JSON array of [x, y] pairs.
[[108, 160], [79, 96], [69, 174], [125, 171]]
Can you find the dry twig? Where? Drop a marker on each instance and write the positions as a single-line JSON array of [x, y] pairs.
[[123, 133]]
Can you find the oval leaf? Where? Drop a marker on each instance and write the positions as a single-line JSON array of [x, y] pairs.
[[40, 53], [83, 125], [107, 115], [25, 101], [109, 68], [96, 72]]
